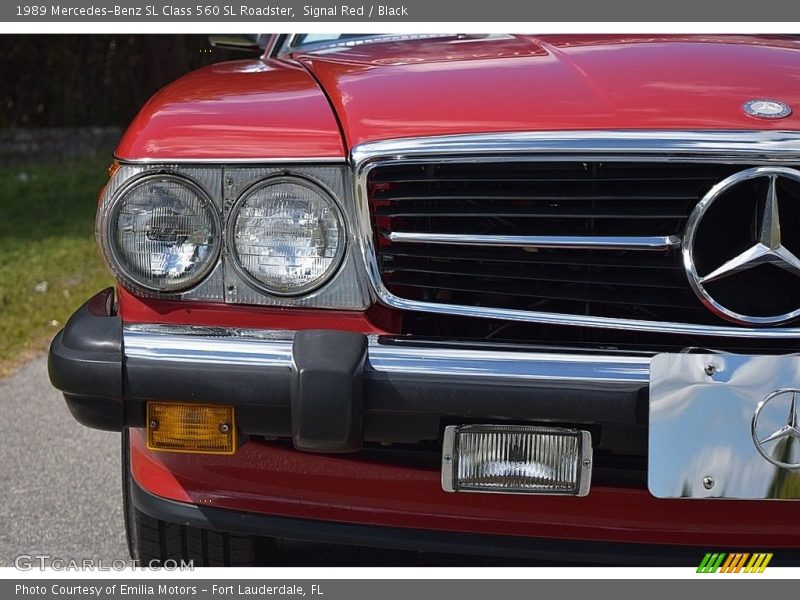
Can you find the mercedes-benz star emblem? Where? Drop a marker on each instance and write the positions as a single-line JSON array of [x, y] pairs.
[[767, 109], [767, 248], [777, 445]]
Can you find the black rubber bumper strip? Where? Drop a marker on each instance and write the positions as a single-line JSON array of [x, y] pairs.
[[424, 540], [327, 394], [85, 362], [329, 399]]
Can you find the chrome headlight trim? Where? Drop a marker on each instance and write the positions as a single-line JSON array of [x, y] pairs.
[[230, 233], [107, 219]]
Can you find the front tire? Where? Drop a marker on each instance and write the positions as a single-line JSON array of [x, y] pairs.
[[155, 542], [152, 542]]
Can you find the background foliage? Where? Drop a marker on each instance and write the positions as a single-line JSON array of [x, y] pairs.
[[49, 263], [83, 80], [64, 99]]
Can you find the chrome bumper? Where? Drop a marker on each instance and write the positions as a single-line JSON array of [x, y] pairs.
[[254, 347], [332, 391]]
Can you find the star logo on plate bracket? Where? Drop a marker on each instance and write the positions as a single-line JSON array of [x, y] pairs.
[[789, 433]]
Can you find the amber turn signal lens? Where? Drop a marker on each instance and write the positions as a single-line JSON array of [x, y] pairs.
[[191, 428]]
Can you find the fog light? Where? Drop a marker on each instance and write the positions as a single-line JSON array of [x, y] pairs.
[[516, 460], [191, 428]]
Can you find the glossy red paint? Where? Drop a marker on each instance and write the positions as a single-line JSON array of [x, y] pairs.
[[132, 309], [522, 83], [265, 110], [276, 480], [243, 109]]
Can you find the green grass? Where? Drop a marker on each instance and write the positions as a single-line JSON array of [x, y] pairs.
[[46, 235]]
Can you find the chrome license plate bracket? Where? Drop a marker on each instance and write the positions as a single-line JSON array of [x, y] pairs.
[[723, 426]]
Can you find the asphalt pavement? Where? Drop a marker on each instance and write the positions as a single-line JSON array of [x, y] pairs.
[[60, 489], [60, 492]]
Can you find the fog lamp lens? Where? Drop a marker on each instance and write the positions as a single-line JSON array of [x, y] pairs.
[[517, 460], [194, 428]]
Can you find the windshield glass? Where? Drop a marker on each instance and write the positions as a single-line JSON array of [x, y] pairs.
[[321, 41], [308, 39]]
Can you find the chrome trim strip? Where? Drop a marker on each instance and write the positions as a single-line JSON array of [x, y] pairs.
[[541, 241], [200, 348], [586, 465], [274, 45], [547, 318], [448, 458], [337, 160], [541, 366], [751, 145], [218, 346], [629, 145]]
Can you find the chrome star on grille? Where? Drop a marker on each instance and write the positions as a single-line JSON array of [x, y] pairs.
[[768, 249]]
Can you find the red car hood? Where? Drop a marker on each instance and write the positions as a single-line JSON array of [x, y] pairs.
[[522, 83]]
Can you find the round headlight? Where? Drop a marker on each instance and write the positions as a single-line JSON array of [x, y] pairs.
[[163, 233], [287, 235]]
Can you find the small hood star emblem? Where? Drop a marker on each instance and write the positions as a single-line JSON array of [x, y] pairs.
[[762, 108]]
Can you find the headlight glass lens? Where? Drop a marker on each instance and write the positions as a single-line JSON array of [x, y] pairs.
[[164, 233], [287, 235]]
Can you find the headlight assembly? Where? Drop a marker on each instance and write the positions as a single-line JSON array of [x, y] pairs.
[[162, 233], [269, 235], [286, 235]]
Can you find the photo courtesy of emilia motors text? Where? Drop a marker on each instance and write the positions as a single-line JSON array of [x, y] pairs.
[[474, 299]]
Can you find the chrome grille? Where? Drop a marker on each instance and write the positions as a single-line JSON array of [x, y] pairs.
[[594, 238]]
